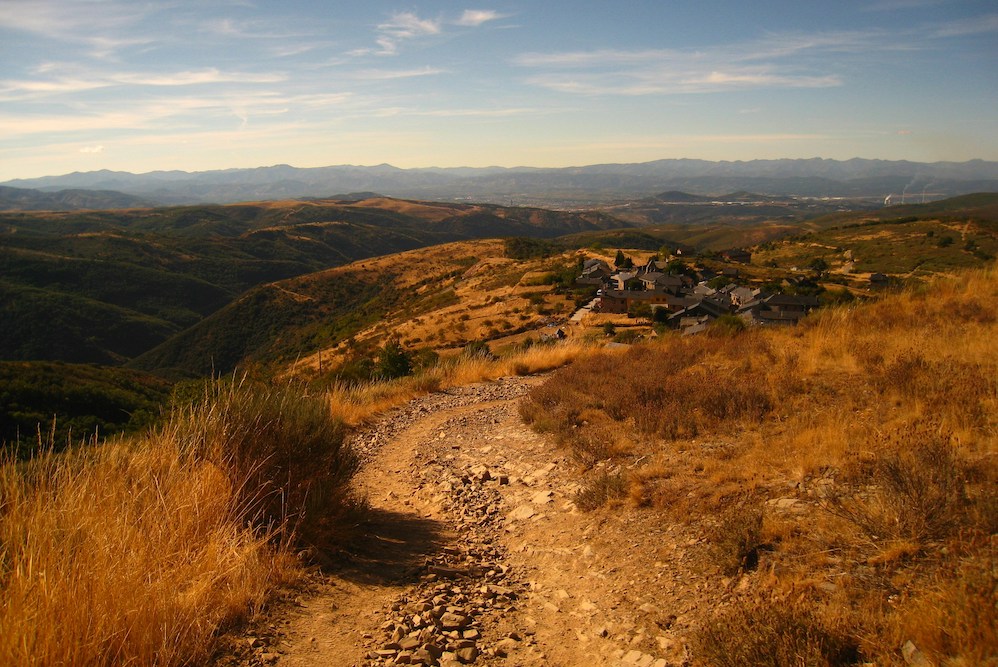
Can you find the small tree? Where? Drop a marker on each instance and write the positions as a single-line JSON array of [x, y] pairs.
[[818, 264], [394, 361], [620, 259], [639, 310]]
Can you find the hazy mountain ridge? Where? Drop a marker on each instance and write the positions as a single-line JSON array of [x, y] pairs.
[[811, 178], [27, 199]]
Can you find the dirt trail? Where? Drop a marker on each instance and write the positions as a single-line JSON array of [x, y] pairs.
[[475, 554]]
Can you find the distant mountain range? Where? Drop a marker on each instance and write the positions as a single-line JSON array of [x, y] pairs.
[[856, 178], [26, 199]]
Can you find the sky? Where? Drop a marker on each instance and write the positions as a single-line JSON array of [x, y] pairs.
[[143, 85]]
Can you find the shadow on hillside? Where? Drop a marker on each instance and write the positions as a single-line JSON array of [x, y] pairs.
[[389, 548]]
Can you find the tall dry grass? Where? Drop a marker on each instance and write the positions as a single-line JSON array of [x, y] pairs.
[[140, 551], [882, 419]]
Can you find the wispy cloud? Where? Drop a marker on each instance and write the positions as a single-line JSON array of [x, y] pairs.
[[196, 77], [978, 25], [389, 74], [93, 149], [898, 5], [21, 89], [480, 113], [476, 17], [400, 27], [664, 78], [462, 113], [785, 60], [101, 25], [404, 26]]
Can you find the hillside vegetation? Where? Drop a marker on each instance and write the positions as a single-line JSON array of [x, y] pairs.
[[24, 199], [842, 473], [60, 403], [905, 241], [117, 283], [439, 298]]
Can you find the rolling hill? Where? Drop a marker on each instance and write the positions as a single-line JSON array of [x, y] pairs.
[[444, 297], [117, 283], [26, 199]]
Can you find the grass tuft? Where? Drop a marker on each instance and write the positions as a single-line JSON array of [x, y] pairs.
[[772, 634]]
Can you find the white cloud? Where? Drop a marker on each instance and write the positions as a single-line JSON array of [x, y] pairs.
[[400, 27], [196, 77], [387, 75], [92, 149], [476, 17], [787, 60], [95, 23], [405, 25]]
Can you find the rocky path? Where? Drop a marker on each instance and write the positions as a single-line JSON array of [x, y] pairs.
[[475, 554]]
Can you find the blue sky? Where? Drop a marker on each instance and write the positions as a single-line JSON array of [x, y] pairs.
[[140, 85]]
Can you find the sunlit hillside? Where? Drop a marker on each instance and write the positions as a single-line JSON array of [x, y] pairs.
[[842, 474]]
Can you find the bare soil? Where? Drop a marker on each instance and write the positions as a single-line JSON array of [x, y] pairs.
[[471, 513]]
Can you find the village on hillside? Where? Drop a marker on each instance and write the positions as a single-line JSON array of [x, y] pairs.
[[689, 299]]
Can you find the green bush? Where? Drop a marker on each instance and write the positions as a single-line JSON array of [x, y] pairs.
[[728, 325], [393, 361]]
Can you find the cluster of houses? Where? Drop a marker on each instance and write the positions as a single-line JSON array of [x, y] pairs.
[[686, 302]]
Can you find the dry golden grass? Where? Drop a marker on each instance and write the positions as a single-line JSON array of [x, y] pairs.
[[881, 420], [355, 404], [486, 299], [124, 555], [140, 551]]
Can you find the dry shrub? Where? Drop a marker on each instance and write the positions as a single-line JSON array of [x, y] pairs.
[[956, 388], [955, 621], [913, 488], [666, 390], [737, 538], [603, 489], [771, 633], [592, 443]]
